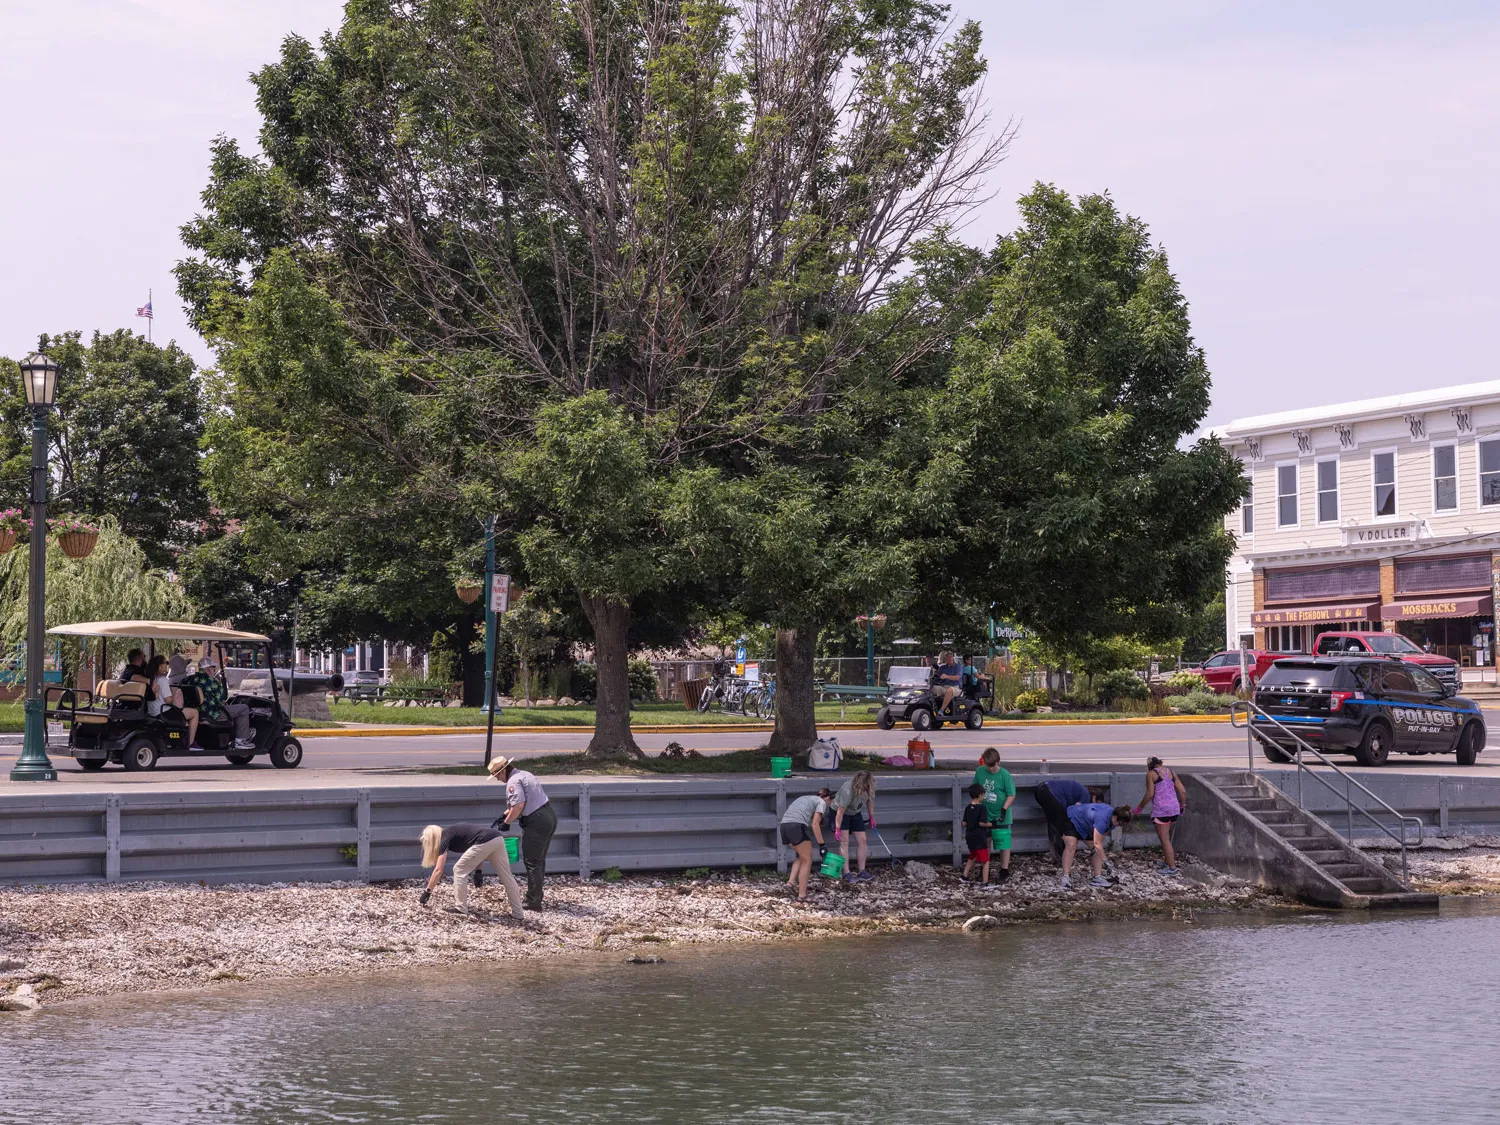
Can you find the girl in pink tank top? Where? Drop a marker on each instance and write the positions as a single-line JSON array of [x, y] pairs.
[[1168, 801]]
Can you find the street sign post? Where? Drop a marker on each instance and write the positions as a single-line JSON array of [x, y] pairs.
[[499, 602]]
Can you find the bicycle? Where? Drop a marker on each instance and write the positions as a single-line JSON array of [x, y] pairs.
[[762, 699]]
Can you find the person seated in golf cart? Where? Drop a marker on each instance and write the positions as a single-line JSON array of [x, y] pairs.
[[213, 704], [134, 668], [947, 680]]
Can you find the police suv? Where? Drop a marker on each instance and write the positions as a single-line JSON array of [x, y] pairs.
[[1364, 704]]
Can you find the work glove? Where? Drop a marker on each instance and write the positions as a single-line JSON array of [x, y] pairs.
[[426, 897], [822, 851], [873, 824], [838, 833]]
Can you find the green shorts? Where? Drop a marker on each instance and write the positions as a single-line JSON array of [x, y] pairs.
[[1000, 839]]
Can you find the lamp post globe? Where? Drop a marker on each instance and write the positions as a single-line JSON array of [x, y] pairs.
[[39, 377]]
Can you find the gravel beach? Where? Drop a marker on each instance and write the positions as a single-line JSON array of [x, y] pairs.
[[1459, 865], [74, 942]]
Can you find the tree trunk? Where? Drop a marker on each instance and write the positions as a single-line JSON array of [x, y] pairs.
[[611, 624], [470, 664], [796, 723]]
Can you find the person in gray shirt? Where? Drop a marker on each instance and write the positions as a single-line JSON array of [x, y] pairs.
[[526, 801], [801, 824]]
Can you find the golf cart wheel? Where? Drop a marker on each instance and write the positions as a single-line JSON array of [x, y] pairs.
[[974, 720], [287, 754], [93, 763], [921, 719], [1376, 747], [883, 719], [240, 759], [1468, 745], [140, 754]]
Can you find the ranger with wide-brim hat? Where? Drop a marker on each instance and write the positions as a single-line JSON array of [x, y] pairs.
[[526, 803]]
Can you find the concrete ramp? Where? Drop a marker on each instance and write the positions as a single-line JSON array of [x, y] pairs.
[[1242, 824]]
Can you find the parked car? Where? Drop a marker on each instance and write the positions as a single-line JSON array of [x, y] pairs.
[[1222, 670], [1366, 705], [1390, 644]]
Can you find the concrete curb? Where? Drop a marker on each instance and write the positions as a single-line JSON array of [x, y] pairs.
[[729, 728]]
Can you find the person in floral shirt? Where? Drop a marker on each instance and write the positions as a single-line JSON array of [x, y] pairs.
[[214, 697]]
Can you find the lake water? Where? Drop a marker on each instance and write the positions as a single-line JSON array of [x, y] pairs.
[[1313, 1018]]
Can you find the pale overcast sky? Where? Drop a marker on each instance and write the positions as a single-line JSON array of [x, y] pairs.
[[1323, 175]]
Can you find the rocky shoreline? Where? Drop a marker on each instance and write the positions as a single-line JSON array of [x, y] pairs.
[[70, 943]]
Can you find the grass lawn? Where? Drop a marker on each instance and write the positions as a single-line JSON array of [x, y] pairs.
[[643, 713], [12, 718], [736, 761]]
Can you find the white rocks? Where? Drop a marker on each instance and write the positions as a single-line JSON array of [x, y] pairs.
[[23, 999], [567, 701], [920, 872], [981, 922]]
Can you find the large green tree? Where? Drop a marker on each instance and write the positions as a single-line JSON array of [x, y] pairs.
[[470, 212], [124, 438], [1080, 502]]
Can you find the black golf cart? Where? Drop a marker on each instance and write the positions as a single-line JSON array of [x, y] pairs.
[[912, 700], [112, 724]]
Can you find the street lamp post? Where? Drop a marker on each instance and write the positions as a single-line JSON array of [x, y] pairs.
[[489, 614], [39, 374]]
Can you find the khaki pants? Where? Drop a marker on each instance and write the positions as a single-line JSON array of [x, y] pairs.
[[473, 859]]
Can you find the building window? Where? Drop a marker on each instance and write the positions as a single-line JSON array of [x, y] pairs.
[[1286, 495], [1444, 478], [1328, 492], [1247, 511], [1385, 483], [1489, 472]]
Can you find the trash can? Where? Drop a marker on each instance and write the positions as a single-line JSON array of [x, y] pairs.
[[692, 691]]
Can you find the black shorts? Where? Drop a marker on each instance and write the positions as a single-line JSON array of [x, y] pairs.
[[855, 822], [793, 833], [1165, 819], [1070, 829]]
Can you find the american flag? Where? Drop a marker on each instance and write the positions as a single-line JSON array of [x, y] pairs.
[[145, 311]]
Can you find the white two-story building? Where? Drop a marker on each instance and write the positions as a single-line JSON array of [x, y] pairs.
[[1381, 514]]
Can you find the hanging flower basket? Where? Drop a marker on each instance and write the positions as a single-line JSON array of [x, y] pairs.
[[10, 527], [76, 537], [468, 590]]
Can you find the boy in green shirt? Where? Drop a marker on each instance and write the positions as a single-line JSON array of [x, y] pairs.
[[999, 794]]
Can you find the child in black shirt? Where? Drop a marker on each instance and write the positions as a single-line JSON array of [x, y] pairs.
[[977, 834]]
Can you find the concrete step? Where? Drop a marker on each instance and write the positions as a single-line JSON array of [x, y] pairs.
[[1365, 885], [1343, 871], [1296, 830], [1310, 842], [1421, 900], [1276, 818], [1255, 803], [1323, 857]]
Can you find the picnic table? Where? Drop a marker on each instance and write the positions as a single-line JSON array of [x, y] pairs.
[[364, 693], [845, 693]]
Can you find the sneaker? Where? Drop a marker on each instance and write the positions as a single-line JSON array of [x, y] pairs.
[[867, 876], [244, 744], [1067, 883], [1004, 874], [478, 878], [1170, 872], [1164, 867], [1099, 881]]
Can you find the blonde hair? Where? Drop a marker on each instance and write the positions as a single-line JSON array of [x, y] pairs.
[[862, 786], [431, 837]]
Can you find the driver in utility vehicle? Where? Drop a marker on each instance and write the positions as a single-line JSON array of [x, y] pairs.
[[214, 700], [947, 677]]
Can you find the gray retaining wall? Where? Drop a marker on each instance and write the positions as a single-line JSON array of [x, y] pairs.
[[356, 833]]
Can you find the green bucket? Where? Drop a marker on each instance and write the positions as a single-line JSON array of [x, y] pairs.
[[781, 767], [833, 865], [512, 848]]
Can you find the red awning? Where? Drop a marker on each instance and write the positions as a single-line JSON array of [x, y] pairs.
[[1418, 609], [1311, 614]]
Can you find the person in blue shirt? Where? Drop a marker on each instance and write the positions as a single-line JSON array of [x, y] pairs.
[[1093, 819], [947, 677], [1054, 797]]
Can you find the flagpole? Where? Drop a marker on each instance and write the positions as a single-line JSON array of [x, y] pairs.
[[150, 320]]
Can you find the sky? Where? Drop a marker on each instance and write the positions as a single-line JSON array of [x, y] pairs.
[[1322, 174]]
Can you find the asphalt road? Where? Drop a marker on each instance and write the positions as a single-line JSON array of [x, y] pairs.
[[1124, 745]]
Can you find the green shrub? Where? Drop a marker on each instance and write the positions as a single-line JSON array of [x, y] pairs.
[[1120, 684], [1007, 686], [1186, 682], [612, 875], [1031, 700], [642, 680], [585, 682], [1200, 703]]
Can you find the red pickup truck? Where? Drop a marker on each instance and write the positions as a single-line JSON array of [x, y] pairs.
[[1390, 644], [1222, 669]]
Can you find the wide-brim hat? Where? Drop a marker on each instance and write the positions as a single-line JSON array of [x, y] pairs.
[[498, 765]]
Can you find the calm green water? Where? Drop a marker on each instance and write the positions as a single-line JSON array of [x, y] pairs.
[[1315, 1019]]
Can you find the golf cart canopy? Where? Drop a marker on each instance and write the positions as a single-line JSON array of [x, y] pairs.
[[156, 630]]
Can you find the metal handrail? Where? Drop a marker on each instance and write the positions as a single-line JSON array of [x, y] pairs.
[[1350, 808]]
